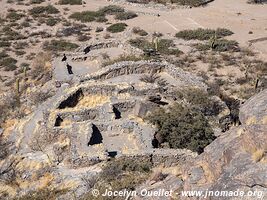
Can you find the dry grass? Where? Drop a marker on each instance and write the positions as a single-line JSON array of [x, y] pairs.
[[258, 155], [66, 122], [92, 101]]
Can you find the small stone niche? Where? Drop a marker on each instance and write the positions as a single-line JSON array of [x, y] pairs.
[[117, 113], [96, 137], [58, 121], [72, 100]]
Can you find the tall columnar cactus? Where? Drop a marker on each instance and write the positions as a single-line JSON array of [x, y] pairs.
[[257, 83], [213, 40], [17, 86], [156, 43], [25, 72]]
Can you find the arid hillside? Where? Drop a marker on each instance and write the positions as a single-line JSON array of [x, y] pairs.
[[132, 95]]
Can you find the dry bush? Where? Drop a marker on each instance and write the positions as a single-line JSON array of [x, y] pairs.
[[40, 66], [139, 31], [39, 97], [92, 101], [258, 155], [149, 78]]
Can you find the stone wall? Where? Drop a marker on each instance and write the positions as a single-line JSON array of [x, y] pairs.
[[144, 67]]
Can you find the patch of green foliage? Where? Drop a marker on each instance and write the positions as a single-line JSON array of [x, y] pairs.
[[14, 16], [36, 1], [193, 3], [122, 173], [118, 27], [43, 194], [51, 21], [111, 10], [5, 44], [182, 127], [139, 31], [40, 10], [70, 2], [164, 46], [86, 16], [60, 45], [220, 45], [203, 34], [99, 16], [125, 15], [125, 58], [8, 63], [10, 34]]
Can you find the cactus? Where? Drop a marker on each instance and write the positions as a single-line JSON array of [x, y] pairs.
[[156, 43], [25, 72], [213, 40], [257, 83], [17, 86]]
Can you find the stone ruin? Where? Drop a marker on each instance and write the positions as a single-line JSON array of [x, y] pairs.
[[99, 117]]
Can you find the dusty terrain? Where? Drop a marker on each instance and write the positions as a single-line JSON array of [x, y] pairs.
[[84, 105]]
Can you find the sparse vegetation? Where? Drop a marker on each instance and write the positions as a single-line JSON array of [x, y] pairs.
[[36, 1], [111, 10], [70, 2], [220, 45], [99, 16], [124, 58], [14, 16], [125, 15], [41, 10], [118, 27], [203, 34], [59, 45], [8, 63], [86, 16], [138, 31], [122, 173], [163, 46], [193, 3], [51, 194]]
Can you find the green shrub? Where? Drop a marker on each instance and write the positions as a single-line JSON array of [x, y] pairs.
[[10, 34], [59, 45], [52, 21], [110, 10], [5, 44], [182, 127], [203, 34], [48, 194], [200, 100], [193, 3], [138, 31], [86, 16], [141, 43], [226, 45], [164, 46], [219, 45], [3, 55], [39, 10], [125, 15], [118, 27], [124, 58], [14, 16], [36, 1], [70, 2], [8, 63]]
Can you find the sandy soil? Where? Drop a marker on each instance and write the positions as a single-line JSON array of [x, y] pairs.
[[237, 16]]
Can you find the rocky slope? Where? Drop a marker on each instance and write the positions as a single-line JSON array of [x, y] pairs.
[[235, 161]]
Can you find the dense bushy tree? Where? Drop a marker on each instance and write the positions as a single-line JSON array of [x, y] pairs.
[[182, 127]]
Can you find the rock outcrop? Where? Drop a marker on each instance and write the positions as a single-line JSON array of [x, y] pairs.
[[235, 161]]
